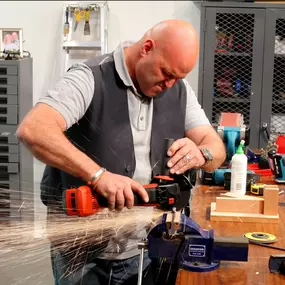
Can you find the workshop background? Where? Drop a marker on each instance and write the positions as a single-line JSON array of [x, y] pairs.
[[240, 70], [42, 24]]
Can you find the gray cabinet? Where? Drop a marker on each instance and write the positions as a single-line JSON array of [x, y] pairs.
[[242, 64], [16, 162]]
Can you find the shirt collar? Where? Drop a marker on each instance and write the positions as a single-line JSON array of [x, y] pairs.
[[121, 67]]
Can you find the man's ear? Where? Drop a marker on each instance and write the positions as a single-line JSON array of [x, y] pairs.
[[147, 47]]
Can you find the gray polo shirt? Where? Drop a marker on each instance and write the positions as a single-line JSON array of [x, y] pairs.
[[73, 93]]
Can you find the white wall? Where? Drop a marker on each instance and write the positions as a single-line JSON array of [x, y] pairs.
[[42, 27]]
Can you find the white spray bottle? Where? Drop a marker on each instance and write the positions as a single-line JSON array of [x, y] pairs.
[[239, 171]]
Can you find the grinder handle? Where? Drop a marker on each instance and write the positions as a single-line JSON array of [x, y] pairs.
[[150, 189], [165, 170]]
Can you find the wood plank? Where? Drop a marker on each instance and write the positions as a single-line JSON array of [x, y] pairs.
[[241, 217], [271, 198], [245, 204]]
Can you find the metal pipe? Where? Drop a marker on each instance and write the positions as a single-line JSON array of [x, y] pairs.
[[141, 267]]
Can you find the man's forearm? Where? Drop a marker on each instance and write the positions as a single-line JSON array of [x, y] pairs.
[[50, 146]]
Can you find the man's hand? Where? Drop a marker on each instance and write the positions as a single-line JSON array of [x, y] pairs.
[[119, 189], [184, 155]]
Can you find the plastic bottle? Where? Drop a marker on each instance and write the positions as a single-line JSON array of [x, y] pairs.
[[239, 171]]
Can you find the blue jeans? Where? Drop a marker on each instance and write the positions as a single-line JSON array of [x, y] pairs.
[[99, 271], [111, 272]]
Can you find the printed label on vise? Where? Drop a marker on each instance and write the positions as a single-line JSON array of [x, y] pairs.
[[197, 250]]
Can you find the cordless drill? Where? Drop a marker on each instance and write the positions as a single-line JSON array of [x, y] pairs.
[[165, 191]]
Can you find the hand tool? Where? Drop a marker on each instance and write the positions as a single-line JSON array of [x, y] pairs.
[[222, 177], [78, 15], [277, 165], [66, 24], [232, 130], [257, 189], [276, 263], [165, 191], [87, 25], [179, 241]]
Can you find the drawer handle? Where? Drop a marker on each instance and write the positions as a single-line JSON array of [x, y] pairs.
[[4, 148], [3, 70], [3, 80], [3, 110], [3, 120], [4, 139], [3, 90], [5, 186], [4, 158]]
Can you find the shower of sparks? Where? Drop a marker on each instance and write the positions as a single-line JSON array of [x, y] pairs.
[[76, 237]]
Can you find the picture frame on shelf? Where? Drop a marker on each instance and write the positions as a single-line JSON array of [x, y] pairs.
[[11, 40]]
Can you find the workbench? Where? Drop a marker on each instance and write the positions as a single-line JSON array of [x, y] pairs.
[[255, 271]]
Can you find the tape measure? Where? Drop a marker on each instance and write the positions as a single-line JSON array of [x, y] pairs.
[[261, 237], [257, 189]]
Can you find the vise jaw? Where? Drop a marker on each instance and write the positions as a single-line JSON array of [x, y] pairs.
[[193, 248]]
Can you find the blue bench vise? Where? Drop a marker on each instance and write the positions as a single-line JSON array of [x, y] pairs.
[[183, 244]]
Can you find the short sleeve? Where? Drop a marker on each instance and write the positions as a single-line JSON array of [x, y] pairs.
[[72, 94], [195, 115]]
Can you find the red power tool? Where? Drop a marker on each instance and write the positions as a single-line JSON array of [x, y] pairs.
[[165, 191]]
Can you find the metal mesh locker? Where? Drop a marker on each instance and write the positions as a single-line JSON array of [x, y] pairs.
[[278, 95], [233, 64]]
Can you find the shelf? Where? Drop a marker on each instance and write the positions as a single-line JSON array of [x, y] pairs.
[[232, 100], [278, 101], [279, 55], [76, 44], [236, 54]]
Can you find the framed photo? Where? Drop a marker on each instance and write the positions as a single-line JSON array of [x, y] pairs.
[[11, 40]]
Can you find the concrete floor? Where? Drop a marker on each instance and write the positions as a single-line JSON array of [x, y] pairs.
[[26, 267]]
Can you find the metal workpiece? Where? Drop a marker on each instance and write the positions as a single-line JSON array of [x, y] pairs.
[[142, 245]]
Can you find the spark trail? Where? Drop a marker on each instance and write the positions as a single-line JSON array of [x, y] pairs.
[[76, 237]]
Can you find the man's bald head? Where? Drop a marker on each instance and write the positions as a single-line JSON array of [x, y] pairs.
[[167, 52], [176, 37]]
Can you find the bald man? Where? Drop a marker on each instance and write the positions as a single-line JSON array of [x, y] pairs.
[[105, 123]]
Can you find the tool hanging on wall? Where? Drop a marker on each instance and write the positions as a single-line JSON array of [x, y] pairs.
[[87, 31], [66, 24], [87, 25], [78, 15]]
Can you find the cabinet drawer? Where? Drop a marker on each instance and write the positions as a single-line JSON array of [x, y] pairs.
[[8, 79], [6, 169], [9, 99], [12, 184], [9, 118], [9, 148], [9, 158], [8, 70], [8, 135], [8, 89]]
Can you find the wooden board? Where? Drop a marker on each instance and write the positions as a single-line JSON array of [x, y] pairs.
[[244, 204], [241, 217]]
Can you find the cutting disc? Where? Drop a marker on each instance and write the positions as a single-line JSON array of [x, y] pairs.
[[261, 237]]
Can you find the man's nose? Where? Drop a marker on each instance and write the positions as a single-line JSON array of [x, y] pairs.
[[169, 83]]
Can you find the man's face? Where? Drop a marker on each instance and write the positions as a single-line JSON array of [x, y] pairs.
[[156, 71]]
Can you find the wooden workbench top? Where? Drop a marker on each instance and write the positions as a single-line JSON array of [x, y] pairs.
[[253, 272]]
